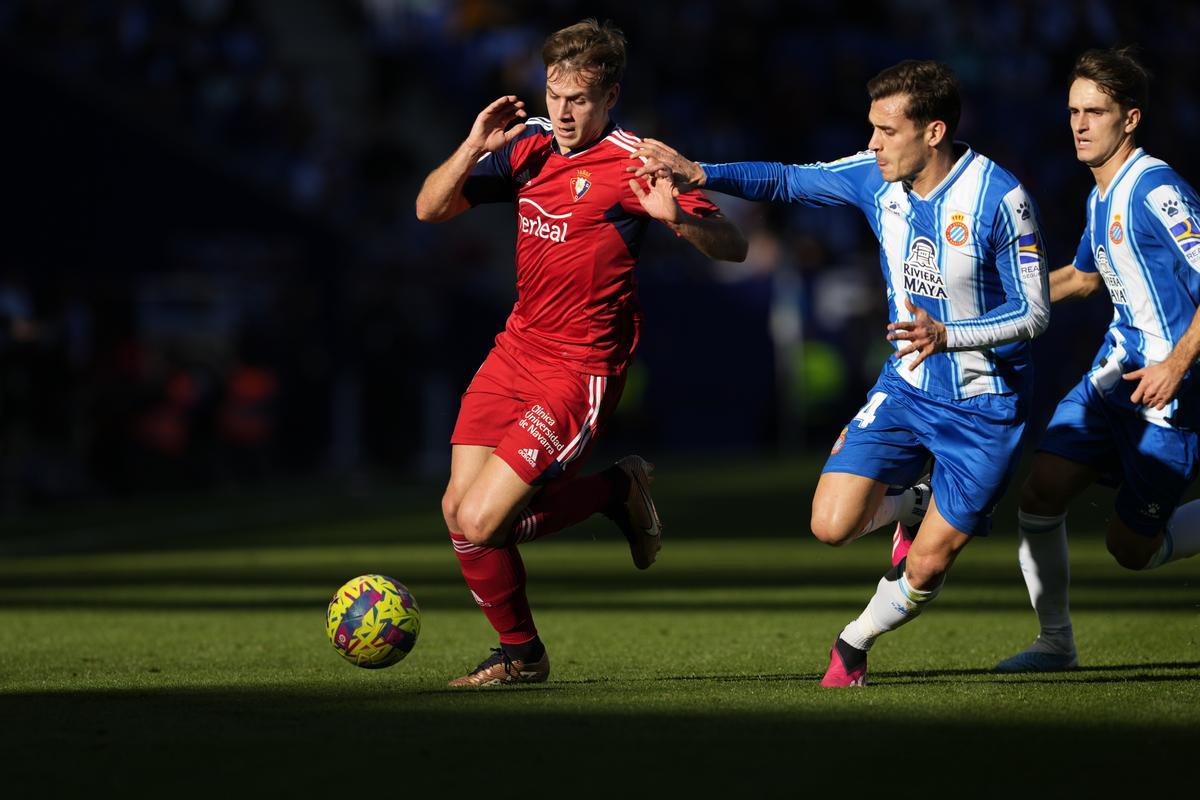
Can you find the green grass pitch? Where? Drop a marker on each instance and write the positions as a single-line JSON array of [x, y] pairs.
[[178, 648]]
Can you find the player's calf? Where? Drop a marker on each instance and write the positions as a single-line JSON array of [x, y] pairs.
[[896, 602]]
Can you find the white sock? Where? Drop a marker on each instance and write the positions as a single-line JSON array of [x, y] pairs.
[[892, 508], [1047, 572], [1181, 538], [894, 604]]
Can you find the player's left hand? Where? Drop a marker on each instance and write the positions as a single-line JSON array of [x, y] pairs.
[[659, 158], [659, 199], [1158, 383], [924, 334]]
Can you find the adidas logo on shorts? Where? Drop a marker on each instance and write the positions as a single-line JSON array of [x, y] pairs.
[[530, 454]]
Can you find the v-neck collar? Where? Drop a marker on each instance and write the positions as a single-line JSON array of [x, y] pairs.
[[579, 150], [1134, 156], [951, 176]]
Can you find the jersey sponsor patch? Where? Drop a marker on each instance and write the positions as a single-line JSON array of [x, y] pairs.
[[542, 224], [921, 275], [539, 424], [1112, 280], [1175, 214], [1029, 255], [1187, 235]]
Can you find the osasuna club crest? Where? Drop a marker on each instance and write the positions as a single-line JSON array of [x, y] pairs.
[[580, 184]]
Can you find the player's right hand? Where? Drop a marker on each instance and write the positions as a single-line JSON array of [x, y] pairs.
[[662, 159], [488, 133]]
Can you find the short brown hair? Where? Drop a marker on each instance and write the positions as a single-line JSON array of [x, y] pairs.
[[596, 52], [932, 90], [1118, 73]]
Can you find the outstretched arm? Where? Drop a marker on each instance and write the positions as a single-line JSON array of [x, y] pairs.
[[807, 184], [441, 196], [1069, 283], [713, 235]]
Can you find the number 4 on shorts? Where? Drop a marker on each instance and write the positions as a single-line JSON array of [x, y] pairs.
[[866, 414]]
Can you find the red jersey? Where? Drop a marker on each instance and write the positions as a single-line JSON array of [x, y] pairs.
[[579, 230]]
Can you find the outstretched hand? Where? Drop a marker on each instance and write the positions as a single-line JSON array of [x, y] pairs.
[[659, 199], [488, 133], [1157, 383], [924, 334], [662, 160]]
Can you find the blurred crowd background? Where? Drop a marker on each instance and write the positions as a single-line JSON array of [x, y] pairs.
[[211, 273]]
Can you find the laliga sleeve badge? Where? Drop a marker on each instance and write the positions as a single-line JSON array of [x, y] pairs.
[[580, 184]]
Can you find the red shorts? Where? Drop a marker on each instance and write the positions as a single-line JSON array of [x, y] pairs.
[[541, 417]]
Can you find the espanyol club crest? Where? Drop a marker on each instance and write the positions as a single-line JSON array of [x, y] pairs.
[[957, 231], [580, 184], [1115, 231]]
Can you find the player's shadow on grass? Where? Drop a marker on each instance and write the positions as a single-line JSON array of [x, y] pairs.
[[1087, 674], [206, 743], [1100, 673]]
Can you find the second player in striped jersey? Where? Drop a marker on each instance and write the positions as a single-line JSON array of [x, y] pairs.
[[966, 284], [1133, 421]]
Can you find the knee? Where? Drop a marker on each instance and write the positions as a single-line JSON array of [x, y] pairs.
[[1037, 498], [1131, 552], [450, 503], [478, 526], [827, 529]]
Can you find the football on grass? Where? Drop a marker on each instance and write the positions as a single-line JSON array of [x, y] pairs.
[[373, 621]]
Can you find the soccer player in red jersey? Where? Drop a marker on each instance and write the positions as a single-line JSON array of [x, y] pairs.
[[532, 412]]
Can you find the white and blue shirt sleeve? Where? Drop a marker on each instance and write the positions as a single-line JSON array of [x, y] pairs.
[[834, 183], [1021, 265]]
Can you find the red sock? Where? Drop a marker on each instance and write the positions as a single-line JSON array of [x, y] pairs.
[[561, 505], [496, 575], [496, 578]]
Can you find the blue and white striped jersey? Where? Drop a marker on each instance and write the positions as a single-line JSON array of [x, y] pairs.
[[969, 254], [1144, 239]]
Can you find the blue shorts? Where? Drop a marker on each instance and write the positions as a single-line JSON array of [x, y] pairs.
[[975, 444], [1152, 466]]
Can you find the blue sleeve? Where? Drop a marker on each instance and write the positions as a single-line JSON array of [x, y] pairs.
[[1021, 265], [835, 183], [1085, 260]]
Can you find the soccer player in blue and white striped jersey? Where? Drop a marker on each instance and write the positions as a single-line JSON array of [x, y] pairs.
[[1132, 420], [966, 285]]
